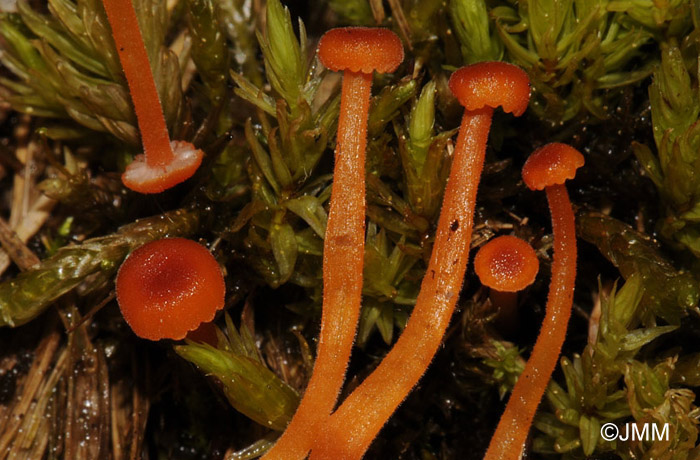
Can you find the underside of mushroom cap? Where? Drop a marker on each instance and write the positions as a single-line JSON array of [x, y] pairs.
[[168, 287], [141, 177], [360, 49], [551, 164], [491, 84], [506, 264]]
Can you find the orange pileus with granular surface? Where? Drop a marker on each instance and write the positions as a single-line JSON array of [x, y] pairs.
[[491, 84], [360, 49], [506, 263], [551, 164], [168, 287]]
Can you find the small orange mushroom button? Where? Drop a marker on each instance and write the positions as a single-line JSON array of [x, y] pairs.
[[168, 287], [507, 264]]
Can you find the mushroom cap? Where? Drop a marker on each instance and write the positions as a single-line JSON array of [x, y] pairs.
[[491, 84], [360, 49], [141, 177], [551, 164], [168, 287], [507, 264]]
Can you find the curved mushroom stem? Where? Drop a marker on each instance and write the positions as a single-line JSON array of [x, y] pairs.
[[510, 436], [139, 76], [351, 429], [343, 252]]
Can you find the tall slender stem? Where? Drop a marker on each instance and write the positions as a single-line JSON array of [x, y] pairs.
[[510, 436], [139, 76], [356, 423], [343, 253]]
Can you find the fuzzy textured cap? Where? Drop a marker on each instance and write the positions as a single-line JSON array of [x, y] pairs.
[[168, 287], [507, 264], [491, 84], [551, 164], [360, 49]]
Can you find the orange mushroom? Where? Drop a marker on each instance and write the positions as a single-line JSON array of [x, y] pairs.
[[547, 168], [358, 51], [506, 264], [164, 163], [168, 287], [357, 421]]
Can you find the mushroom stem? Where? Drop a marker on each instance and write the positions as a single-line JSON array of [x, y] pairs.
[[352, 131], [510, 436], [139, 76], [343, 253], [355, 424], [357, 51], [507, 305]]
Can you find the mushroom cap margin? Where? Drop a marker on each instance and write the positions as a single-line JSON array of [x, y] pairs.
[[361, 49], [551, 164], [493, 84]]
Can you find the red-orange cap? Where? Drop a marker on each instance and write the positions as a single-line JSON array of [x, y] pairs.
[[506, 264], [491, 84], [360, 49], [551, 164], [168, 287], [144, 178]]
